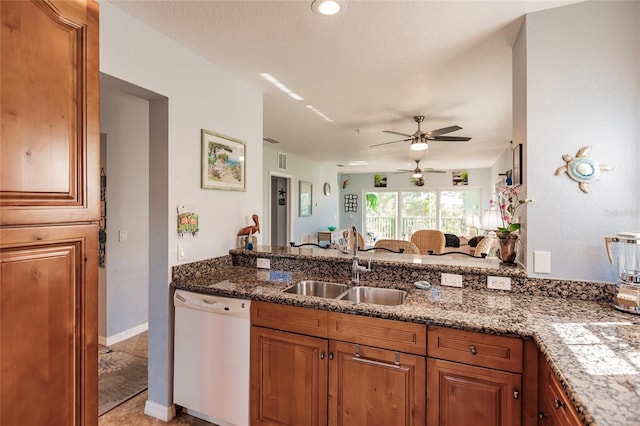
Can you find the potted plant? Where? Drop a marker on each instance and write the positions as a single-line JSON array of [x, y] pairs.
[[508, 202]]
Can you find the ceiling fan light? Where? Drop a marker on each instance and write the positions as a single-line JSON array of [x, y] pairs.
[[419, 146], [327, 7], [416, 175]]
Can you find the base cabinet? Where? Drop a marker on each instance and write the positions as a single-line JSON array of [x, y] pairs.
[[299, 379], [555, 408], [473, 379], [288, 378], [371, 386], [462, 394]]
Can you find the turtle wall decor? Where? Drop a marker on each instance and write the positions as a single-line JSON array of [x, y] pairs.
[[582, 169]]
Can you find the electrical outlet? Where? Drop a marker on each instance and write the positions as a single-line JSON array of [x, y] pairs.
[[263, 263], [122, 235], [451, 280], [499, 283], [182, 252]]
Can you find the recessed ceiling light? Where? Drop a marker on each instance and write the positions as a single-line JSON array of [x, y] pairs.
[[327, 7], [358, 163], [271, 79]]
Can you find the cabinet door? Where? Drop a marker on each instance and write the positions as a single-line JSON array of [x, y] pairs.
[[288, 378], [375, 387], [48, 326], [49, 111], [462, 394], [555, 408]]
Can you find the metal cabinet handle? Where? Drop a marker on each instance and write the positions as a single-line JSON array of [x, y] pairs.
[[330, 355], [372, 362], [558, 403], [542, 415], [516, 394], [472, 348], [322, 355]]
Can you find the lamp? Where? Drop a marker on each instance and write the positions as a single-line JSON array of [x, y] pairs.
[[491, 220], [472, 222], [419, 144]]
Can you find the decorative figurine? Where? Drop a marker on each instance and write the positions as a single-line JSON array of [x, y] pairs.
[[582, 169], [250, 230]]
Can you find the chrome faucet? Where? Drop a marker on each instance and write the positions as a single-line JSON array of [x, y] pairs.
[[356, 268]]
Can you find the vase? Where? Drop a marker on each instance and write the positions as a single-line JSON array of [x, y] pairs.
[[508, 249]]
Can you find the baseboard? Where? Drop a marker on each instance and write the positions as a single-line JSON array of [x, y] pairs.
[[124, 335], [159, 411]]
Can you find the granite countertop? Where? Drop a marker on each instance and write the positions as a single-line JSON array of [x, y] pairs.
[[593, 349]]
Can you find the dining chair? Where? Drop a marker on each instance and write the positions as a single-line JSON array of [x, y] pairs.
[[396, 245], [429, 240]]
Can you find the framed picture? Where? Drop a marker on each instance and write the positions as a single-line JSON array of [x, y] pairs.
[[223, 162], [517, 165], [306, 199]]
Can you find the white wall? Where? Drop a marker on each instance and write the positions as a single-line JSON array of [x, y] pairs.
[[325, 207], [582, 89], [200, 95], [125, 121]]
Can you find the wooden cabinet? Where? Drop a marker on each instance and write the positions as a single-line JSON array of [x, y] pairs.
[[48, 337], [288, 378], [49, 195], [555, 407], [370, 386], [302, 375], [473, 378]]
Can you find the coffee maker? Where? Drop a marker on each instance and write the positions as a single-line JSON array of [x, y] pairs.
[[628, 286]]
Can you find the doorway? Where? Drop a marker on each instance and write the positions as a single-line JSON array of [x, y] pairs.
[[280, 201]]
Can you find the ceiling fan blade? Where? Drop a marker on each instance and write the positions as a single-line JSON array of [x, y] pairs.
[[396, 133], [444, 130], [387, 143], [451, 138], [433, 171]]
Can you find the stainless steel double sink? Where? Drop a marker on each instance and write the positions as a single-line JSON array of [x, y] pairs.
[[360, 294]]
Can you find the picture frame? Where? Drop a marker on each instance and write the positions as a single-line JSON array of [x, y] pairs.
[[305, 196], [517, 165], [223, 162]]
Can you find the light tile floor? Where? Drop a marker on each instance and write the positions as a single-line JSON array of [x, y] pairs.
[[131, 412]]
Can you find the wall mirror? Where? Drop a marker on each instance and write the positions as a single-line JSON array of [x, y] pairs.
[[306, 198]]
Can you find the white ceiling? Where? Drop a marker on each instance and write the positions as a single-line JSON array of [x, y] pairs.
[[370, 68]]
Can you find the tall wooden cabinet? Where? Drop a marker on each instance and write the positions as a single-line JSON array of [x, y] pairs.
[[49, 208]]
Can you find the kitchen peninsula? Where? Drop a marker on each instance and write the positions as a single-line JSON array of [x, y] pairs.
[[590, 347]]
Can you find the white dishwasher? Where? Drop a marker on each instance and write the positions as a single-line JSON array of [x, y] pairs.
[[211, 357]]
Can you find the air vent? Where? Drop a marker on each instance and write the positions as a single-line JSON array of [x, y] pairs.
[[282, 161], [273, 141]]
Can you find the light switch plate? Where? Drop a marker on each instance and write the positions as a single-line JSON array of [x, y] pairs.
[[451, 280], [263, 263], [182, 252], [542, 262]]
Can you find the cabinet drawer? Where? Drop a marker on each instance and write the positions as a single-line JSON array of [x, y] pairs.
[[312, 322], [484, 350], [381, 333]]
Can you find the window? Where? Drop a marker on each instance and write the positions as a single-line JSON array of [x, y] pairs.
[[398, 214]]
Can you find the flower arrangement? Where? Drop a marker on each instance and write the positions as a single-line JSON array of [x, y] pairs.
[[508, 201]]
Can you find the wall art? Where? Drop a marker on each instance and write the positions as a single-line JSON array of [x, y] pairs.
[[223, 162]]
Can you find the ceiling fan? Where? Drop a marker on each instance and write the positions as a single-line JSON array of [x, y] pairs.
[[418, 172], [419, 140]]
